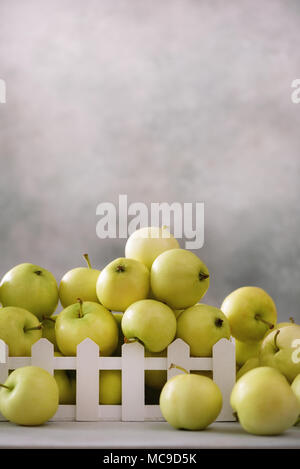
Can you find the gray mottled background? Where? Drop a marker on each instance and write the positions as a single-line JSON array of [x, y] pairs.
[[174, 100]]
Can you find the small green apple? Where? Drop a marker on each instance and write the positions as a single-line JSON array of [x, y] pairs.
[[251, 313], [201, 326], [121, 283], [30, 287], [249, 364], [179, 278], [147, 243], [190, 401], [246, 350], [264, 402], [279, 349], [296, 388], [110, 387], [29, 396], [86, 319], [48, 330], [79, 282], [19, 329], [151, 322], [155, 379]]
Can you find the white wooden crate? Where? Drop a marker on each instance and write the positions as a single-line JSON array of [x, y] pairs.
[[133, 364]]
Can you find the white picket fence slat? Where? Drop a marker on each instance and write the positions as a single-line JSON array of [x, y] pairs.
[[133, 364]]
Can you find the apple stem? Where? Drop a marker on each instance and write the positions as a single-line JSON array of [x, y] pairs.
[[46, 318], [178, 367], [203, 276], [129, 341], [259, 318], [38, 272], [36, 328], [292, 320], [4, 386], [79, 300], [275, 340], [86, 256]]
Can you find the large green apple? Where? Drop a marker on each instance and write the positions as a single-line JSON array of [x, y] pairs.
[[122, 282], [251, 313], [201, 326], [86, 319], [29, 396], [179, 278], [19, 329], [190, 401], [48, 330], [30, 287], [110, 387], [279, 349], [147, 243], [79, 282], [296, 388], [264, 402], [151, 322], [246, 350]]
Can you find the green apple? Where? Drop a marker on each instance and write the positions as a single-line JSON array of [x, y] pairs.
[[79, 282], [29, 396], [264, 402], [201, 326], [86, 319], [251, 313], [121, 283], [296, 388], [48, 330], [246, 350], [279, 349], [118, 350], [147, 243], [251, 363], [151, 322], [190, 401], [19, 329], [66, 382], [110, 387], [179, 278], [30, 287], [155, 379]]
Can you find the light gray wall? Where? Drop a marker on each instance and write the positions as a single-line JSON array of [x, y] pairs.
[[174, 100]]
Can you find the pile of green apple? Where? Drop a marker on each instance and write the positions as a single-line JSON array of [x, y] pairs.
[[151, 295]]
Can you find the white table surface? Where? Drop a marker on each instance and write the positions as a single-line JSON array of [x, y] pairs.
[[138, 435]]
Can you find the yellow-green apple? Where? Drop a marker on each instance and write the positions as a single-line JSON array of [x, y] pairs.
[[82, 320], [122, 282], [29, 396], [147, 243], [155, 379], [30, 287], [247, 366], [296, 388], [201, 326], [251, 312], [19, 329], [79, 282], [66, 382], [190, 401], [151, 322], [281, 350], [264, 402], [118, 350], [48, 330], [179, 278], [110, 387], [246, 350]]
